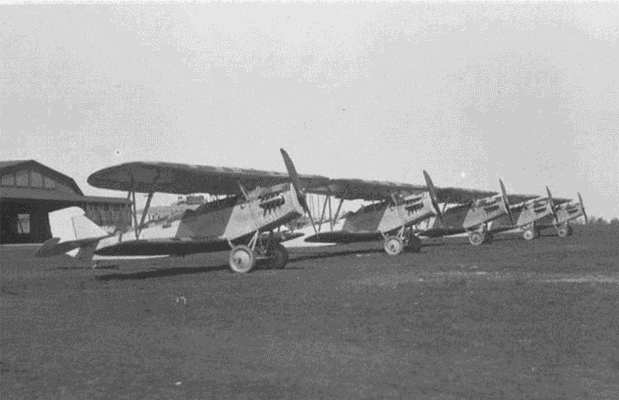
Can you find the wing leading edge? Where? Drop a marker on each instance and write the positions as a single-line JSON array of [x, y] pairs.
[[359, 189], [145, 177]]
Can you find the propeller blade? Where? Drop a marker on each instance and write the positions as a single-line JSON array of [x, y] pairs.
[[582, 207], [298, 188], [552, 203], [506, 202], [433, 196]]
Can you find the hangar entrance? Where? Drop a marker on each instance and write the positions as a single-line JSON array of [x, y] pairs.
[[24, 222], [29, 191]]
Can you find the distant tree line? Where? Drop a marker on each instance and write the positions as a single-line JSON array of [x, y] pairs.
[[593, 220]]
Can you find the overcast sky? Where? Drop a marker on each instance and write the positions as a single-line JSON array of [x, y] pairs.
[[469, 91]]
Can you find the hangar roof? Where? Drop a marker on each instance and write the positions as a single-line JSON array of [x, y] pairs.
[[61, 187], [16, 165]]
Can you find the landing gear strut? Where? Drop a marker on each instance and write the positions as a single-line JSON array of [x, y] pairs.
[[277, 256], [413, 243], [404, 239], [244, 259], [478, 238]]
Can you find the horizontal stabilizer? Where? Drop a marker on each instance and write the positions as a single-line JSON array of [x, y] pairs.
[[71, 230], [53, 247]]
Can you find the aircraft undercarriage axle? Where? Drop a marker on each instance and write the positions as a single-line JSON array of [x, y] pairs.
[[394, 245], [478, 238], [405, 239], [530, 234], [564, 230], [244, 259]]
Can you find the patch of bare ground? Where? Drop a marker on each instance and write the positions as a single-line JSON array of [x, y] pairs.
[[513, 319]]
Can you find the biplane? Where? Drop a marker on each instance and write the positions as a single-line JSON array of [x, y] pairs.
[[255, 204], [395, 208], [542, 213], [472, 217], [565, 213]]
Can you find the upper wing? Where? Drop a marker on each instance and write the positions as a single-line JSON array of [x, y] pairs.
[[460, 195], [519, 198], [175, 178], [360, 189]]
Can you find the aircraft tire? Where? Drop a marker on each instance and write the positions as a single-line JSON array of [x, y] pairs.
[[570, 230], [563, 232], [477, 238], [414, 244], [529, 234], [393, 245], [242, 259], [489, 238], [278, 257]]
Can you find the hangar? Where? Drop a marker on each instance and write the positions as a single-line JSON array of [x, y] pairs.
[[29, 190]]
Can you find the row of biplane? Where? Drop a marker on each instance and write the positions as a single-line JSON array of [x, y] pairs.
[[248, 220]]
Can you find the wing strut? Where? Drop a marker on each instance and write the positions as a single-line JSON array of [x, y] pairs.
[[144, 213], [330, 210], [125, 227], [135, 215], [339, 207], [322, 215]]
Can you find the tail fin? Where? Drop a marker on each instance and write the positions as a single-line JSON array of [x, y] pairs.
[[72, 233]]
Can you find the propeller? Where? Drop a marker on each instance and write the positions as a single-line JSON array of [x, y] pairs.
[[433, 196], [582, 207], [552, 204], [296, 184], [506, 202]]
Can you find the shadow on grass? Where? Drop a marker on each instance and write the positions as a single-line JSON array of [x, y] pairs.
[[159, 273], [322, 255]]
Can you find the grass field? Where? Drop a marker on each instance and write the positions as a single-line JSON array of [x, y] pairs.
[[513, 319]]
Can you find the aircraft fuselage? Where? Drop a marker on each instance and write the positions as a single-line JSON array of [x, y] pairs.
[[468, 217], [209, 227], [525, 215], [388, 217]]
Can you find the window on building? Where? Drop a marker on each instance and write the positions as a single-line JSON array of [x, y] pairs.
[[49, 183], [21, 178], [36, 179], [23, 224], [8, 180]]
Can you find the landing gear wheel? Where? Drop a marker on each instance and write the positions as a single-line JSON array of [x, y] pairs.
[[489, 238], [413, 244], [393, 245], [529, 234], [242, 259], [477, 238], [570, 230], [278, 257], [563, 232]]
